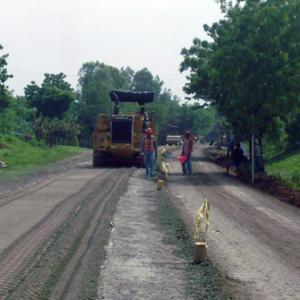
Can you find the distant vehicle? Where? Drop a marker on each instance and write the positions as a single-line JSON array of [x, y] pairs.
[[173, 137], [117, 137]]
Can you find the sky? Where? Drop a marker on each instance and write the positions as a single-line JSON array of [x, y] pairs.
[[52, 36]]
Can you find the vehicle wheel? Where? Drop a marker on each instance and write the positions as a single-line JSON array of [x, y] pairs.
[[141, 162], [99, 161]]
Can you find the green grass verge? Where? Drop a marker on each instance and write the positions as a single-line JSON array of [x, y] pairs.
[[21, 156], [286, 167], [204, 280]]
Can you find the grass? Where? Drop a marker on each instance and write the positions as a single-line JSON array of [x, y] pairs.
[[286, 167], [204, 280], [21, 156]]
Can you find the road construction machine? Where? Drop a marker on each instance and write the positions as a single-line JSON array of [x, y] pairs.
[[117, 137]]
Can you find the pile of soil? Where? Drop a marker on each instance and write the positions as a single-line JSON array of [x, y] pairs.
[[275, 188], [266, 183]]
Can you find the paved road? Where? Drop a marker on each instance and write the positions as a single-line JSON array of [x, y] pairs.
[[254, 237]]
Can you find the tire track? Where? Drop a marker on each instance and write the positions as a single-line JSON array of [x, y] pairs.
[[59, 266], [27, 251], [8, 197], [71, 277]]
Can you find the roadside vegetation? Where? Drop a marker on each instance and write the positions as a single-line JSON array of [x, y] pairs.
[[53, 114], [248, 69], [21, 156], [286, 167], [245, 76]]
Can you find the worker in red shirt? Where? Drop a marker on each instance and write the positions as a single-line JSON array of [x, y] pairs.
[[187, 149], [149, 149]]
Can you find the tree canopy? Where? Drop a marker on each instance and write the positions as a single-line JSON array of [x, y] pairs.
[[4, 95], [249, 69], [56, 114], [98, 79], [53, 98]]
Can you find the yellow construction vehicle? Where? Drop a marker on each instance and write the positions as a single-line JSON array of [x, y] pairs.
[[117, 137]]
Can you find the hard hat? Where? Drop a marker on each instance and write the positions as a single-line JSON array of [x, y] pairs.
[[148, 131]]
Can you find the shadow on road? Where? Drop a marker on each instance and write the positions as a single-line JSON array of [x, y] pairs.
[[203, 178]]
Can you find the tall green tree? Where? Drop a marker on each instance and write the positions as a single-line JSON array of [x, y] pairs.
[[53, 98], [250, 68], [51, 103], [144, 81], [96, 80], [4, 76]]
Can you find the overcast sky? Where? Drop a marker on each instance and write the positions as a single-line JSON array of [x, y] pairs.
[[51, 36]]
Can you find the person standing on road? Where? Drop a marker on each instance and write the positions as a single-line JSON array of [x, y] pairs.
[[187, 149], [237, 158], [149, 149]]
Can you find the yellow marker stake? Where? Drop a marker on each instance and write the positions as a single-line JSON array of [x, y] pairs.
[[163, 151], [200, 237], [165, 168], [202, 213], [160, 184]]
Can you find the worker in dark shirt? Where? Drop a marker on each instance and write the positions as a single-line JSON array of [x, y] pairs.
[[237, 158]]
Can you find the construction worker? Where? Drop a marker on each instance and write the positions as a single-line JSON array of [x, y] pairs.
[[237, 158], [187, 149], [149, 149]]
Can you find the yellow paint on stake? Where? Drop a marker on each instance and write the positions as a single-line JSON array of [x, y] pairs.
[[200, 237], [160, 184], [163, 151], [165, 168]]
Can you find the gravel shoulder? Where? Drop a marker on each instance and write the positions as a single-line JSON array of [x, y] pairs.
[[149, 254], [253, 237], [138, 262]]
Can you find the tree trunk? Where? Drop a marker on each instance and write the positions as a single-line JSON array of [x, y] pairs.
[[261, 161]]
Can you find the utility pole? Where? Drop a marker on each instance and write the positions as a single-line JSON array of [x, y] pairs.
[[252, 159], [252, 149]]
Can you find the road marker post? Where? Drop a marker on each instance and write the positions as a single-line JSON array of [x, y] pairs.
[[200, 236], [160, 184]]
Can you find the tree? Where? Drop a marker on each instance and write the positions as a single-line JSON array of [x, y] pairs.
[[128, 75], [144, 81], [53, 98], [293, 130], [96, 80], [50, 103], [250, 70], [4, 95]]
